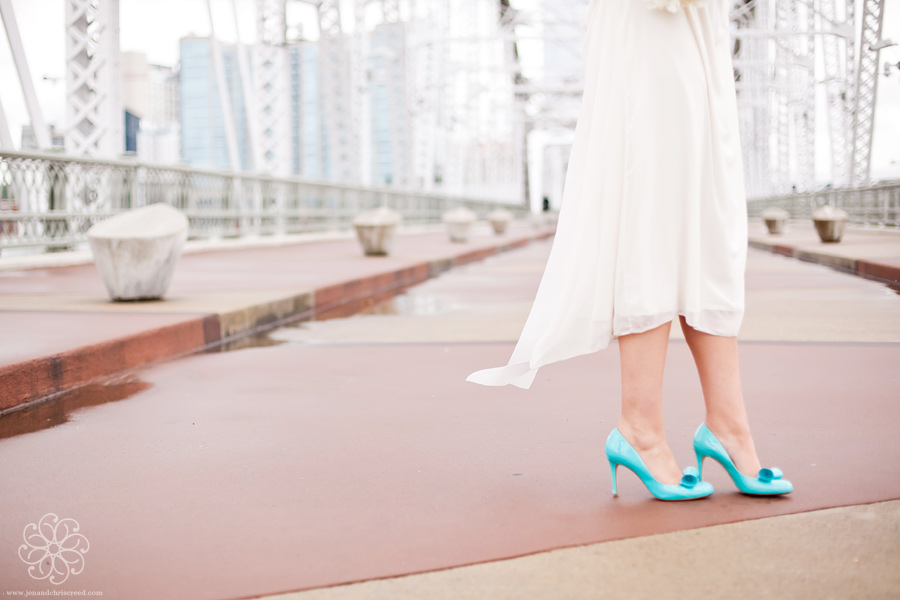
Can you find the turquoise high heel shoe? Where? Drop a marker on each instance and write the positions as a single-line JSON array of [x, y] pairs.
[[620, 452], [768, 483]]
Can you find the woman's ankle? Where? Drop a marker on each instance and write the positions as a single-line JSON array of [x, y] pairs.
[[731, 428], [650, 443], [738, 442], [641, 436]]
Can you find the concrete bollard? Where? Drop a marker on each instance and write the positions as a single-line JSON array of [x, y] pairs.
[[459, 223], [499, 220], [136, 252], [829, 222], [376, 230], [775, 218]]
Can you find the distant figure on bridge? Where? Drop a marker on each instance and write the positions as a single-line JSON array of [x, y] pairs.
[[653, 226]]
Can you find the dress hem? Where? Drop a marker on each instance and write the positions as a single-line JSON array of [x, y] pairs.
[[522, 374]]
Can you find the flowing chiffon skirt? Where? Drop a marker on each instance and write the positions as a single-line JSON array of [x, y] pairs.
[[653, 221]]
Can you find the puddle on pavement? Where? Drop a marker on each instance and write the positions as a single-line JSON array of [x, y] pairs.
[[59, 409], [256, 340], [407, 305], [399, 305]]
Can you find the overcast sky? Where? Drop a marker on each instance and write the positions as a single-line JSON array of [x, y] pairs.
[[155, 26]]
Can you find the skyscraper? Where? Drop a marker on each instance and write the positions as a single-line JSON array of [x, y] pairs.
[[310, 146], [203, 141], [389, 111], [150, 94]]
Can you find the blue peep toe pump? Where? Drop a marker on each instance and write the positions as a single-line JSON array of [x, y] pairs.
[[769, 482], [620, 452]]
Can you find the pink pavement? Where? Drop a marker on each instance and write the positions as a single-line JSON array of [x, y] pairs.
[[871, 253], [61, 331], [300, 466]]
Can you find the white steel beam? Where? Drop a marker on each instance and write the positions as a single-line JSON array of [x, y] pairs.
[[763, 115], [836, 90], [805, 101], [866, 90], [228, 116], [752, 68], [256, 160], [850, 72], [334, 73], [41, 132], [93, 81], [782, 116], [359, 86], [272, 87], [793, 92]]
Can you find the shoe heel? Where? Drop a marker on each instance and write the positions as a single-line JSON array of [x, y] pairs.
[[700, 458], [620, 453], [612, 468]]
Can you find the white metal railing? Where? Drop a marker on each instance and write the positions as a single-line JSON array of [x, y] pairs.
[[876, 205], [49, 201]]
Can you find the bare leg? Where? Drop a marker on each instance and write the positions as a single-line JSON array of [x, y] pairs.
[[717, 363], [643, 356]]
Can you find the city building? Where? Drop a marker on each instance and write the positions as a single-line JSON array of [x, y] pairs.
[[308, 140], [150, 94], [132, 128], [389, 136], [203, 136]]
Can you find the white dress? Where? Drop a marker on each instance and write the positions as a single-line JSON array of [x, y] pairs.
[[653, 221]]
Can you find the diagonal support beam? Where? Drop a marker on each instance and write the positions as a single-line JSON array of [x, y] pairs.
[[866, 90], [41, 132], [234, 161]]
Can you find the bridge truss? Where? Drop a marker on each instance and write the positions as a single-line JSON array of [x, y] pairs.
[[432, 94], [784, 51]]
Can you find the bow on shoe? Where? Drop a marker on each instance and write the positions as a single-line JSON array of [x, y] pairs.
[[769, 475], [690, 478]]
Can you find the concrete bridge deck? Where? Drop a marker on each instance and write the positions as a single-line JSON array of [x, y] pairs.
[[349, 450]]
